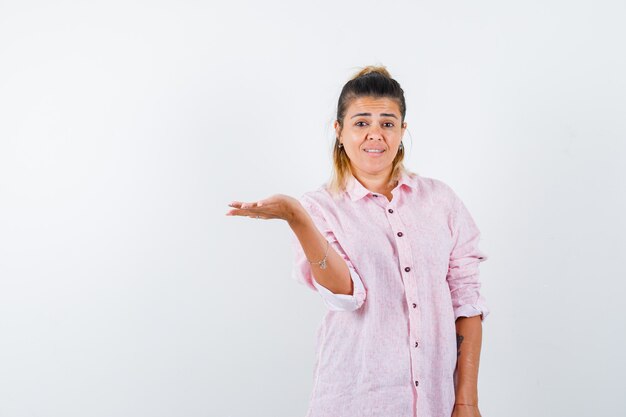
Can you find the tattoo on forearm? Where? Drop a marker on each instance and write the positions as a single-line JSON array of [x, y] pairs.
[[459, 340]]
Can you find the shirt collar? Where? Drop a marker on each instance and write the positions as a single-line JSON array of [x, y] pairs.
[[356, 190]]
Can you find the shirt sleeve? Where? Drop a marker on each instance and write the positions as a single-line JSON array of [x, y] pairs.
[[463, 272], [302, 269]]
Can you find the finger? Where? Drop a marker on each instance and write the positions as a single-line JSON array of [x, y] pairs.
[[245, 213], [249, 205], [241, 213], [241, 204], [249, 212]]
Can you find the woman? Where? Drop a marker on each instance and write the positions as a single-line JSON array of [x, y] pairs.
[[394, 256]]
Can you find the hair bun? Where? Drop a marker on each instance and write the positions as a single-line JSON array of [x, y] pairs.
[[379, 69]]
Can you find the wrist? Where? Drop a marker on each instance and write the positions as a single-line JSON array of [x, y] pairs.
[[466, 397], [299, 217]]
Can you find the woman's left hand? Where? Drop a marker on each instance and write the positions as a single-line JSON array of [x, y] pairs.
[[465, 411]]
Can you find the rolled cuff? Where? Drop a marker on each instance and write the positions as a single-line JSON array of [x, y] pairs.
[[343, 302], [471, 310]]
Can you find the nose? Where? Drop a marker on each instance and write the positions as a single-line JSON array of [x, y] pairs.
[[374, 133]]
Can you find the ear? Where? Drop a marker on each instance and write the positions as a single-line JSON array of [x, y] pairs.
[[337, 128]]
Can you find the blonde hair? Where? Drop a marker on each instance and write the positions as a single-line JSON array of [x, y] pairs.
[[372, 80]]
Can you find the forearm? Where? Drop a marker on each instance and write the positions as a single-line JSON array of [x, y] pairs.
[[469, 340], [336, 275]]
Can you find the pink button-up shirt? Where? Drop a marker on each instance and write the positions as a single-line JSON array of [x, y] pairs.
[[390, 350]]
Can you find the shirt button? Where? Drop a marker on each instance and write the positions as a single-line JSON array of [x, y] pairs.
[[375, 195], [400, 234], [417, 383], [414, 305], [407, 269], [390, 210], [416, 344]]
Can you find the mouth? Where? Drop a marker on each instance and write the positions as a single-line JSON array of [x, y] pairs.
[[374, 152]]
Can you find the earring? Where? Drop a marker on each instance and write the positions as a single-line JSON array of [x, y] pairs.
[[340, 144], [401, 146]]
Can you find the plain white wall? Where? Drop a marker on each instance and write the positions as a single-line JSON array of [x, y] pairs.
[[127, 127]]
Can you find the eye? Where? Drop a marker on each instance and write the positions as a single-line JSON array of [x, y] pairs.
[[389, 123], [357, 123]]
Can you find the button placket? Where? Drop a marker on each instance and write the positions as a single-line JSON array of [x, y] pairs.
[[404, 254]]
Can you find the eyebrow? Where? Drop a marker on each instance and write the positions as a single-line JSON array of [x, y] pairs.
[[369, 114]]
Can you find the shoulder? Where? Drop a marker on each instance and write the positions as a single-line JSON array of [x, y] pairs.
[[318, 200], [435, 189], [317, 195]]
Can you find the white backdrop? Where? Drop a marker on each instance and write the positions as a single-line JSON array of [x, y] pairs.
[[127, 127]]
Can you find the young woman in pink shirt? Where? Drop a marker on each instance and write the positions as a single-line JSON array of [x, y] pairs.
[[394, 256]]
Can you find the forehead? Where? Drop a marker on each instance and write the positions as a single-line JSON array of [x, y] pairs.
[[373, 105]]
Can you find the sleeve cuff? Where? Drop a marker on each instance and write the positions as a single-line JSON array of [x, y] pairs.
[[471, 310], [343, 302]]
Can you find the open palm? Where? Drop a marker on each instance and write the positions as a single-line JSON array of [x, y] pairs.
[[277, 206]]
